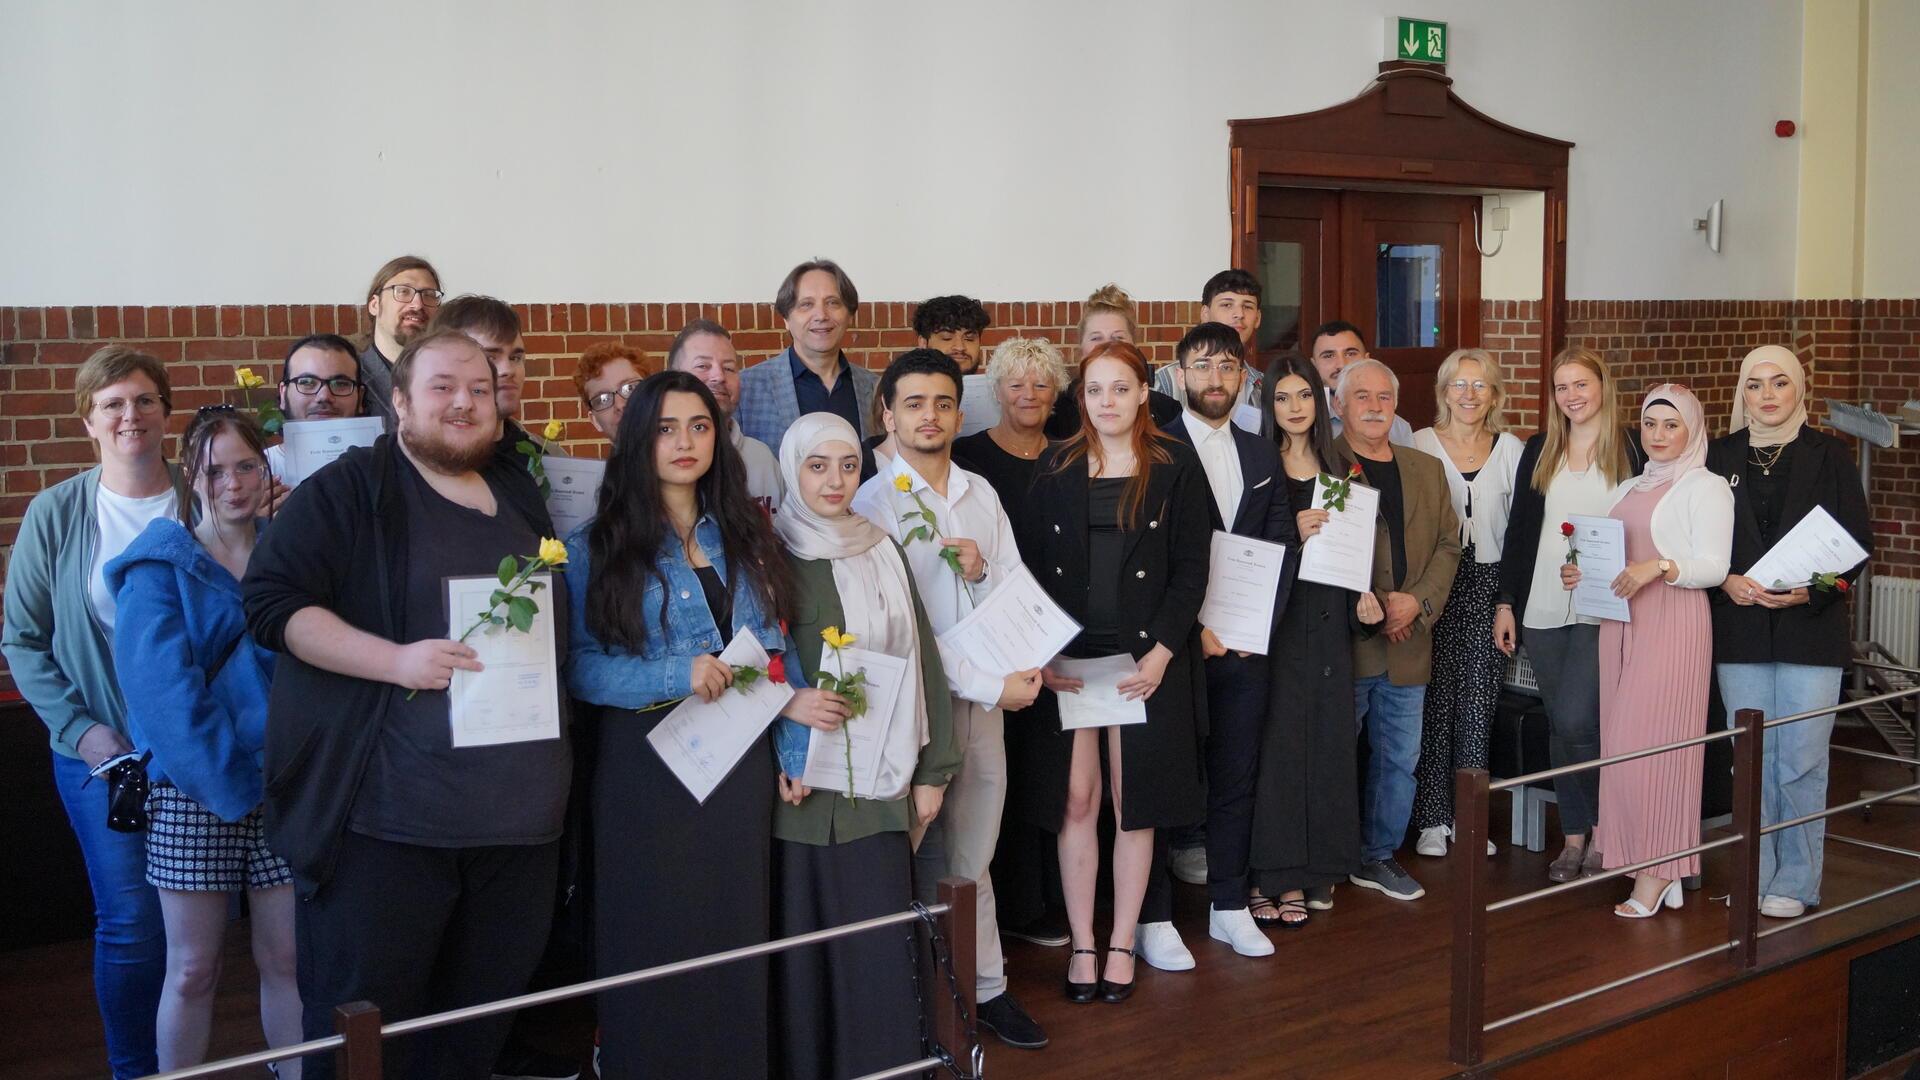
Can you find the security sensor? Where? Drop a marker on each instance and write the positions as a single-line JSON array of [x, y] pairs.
[[1711, 224]]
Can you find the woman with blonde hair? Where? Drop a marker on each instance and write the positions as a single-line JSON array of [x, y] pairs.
[[1570, 468], [1480, 461], [1108, 315]]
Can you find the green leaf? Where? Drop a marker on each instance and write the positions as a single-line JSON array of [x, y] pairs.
[[918, 532], [520, 611], [499, 597], [526, 447], [952, 558], [496, 620], [745, 676], [507, 570], [535, 586]]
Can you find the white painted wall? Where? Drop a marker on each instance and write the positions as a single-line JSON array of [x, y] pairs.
[[1514, 270], [237, 152], [1893, 150]]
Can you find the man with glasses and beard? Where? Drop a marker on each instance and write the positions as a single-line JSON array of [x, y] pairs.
[[319, 381], [427, 872], [704, 349], [400, 302]]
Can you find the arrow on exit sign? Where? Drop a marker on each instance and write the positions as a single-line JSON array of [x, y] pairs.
[[1421, 41]]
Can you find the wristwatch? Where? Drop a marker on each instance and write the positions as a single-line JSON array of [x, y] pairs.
[[1666, 567]]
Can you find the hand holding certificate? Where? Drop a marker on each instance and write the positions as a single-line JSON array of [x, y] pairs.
[[848, 760], [310, 444], [1098, 702], [1814, 547], [515, 697], [1602, 544], [1341, 553], [701, 741], [1243, 582], [1017, 628]]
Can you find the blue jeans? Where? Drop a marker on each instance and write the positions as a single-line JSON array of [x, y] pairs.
[[1793, 767], [129, 940], [1391, 716]]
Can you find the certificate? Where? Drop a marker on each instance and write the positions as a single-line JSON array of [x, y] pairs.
[[309, 444], [575, 491], [1018, 627], [516, 695], [828, 752], [1247, 417], [1817, 545], [979, 404], [701, 741], [1243, 582], [1098, 702], [1341, 553], [1602, 544]]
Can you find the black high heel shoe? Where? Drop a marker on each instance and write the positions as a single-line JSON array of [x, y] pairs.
[[1077, 992], [1114, 993]]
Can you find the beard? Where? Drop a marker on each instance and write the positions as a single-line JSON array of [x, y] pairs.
[[1213, 408], [442, 455], [404, 332]]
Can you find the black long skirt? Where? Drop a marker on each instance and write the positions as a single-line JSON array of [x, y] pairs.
[[847, 1007], [676, 879]]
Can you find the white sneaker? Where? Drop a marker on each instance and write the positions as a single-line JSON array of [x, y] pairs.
[[1160, 945], [1433, 841], [1781, 907], [1238, 929], [1189, 865]]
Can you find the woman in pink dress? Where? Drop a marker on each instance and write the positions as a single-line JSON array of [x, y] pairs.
[[1654, 669]]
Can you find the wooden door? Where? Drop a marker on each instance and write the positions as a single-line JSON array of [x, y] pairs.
[[1299, 242], [1410, 279]]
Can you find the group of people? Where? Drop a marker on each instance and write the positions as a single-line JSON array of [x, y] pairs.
[[283, 654]]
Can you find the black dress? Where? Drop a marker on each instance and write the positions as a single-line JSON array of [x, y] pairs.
[[1306, 804], [677, 879], [1010, 475]]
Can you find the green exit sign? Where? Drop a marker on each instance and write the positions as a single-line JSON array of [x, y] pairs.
[[1421, 41]]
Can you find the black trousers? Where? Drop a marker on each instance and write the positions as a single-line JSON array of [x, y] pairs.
[[418, 930], [1236, 712]]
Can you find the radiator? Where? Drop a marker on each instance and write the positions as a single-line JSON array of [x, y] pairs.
[[1895, 613]]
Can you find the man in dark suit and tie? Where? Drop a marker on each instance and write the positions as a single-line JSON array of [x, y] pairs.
[[1249, 499]]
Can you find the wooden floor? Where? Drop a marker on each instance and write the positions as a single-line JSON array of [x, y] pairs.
[[1361, 992]]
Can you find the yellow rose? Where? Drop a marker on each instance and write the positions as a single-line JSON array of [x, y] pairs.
[[246, 379], [835, 639], [553, 430], [553, 552], [903, 482]]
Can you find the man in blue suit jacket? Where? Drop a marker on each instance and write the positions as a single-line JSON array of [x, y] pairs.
[[1249, 499], [818, 301]]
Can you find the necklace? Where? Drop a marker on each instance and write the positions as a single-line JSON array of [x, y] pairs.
[[1759, 456], [1005, 440], [1473, 455]]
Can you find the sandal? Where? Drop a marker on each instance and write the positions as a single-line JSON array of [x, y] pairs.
[[1293, 907], [1264, 909]]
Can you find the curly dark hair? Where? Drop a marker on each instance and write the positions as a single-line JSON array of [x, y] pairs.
[[630, 530], [948, 313]]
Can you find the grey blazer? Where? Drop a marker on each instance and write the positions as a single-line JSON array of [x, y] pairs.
[[768, 405]]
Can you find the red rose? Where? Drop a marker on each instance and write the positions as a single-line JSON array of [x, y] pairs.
[[1566, 528], [1354, 469], [777, 667], [1841, 584]]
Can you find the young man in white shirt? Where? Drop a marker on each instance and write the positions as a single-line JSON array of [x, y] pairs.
[[921, 391], [704, 349]]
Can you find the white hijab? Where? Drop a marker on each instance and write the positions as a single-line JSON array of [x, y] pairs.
[[876, 595]]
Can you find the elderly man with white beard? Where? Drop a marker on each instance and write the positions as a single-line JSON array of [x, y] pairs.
[[1416, 550]]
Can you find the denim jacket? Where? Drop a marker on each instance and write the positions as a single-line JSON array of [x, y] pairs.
[[609, 675]]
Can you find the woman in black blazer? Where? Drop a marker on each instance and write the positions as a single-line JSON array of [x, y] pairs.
[[1117, 530], [1782, 650]]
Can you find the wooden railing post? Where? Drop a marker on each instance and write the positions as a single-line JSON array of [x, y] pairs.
[[1469, 858], [359, 1022], [958, 928], [1743, 906]]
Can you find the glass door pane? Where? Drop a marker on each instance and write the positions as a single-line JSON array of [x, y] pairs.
[[1282, 267], [1407, 296]]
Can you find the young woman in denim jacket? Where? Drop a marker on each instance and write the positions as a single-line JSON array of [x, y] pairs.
[[676, 561]]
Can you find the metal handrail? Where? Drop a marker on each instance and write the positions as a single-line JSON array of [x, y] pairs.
[[1614, 985], [1876, 754], [1816, 916], [1841, 809], [1609, 875], [1631, 755], [592, 986], [1856, 703]]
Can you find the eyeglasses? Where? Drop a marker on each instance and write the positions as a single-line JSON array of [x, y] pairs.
[[1226, 369], [246, 470], [338, 385], [404, 294], [1461, 386], [117, 407], [603, 400]]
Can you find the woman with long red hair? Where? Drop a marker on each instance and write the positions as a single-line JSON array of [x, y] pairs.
[[1117, 531]]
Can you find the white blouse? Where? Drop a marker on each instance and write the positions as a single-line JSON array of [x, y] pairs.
[[1491, 487]]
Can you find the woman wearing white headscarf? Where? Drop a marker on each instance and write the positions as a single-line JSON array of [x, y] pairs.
[[1775, 649], [1654, 669], [848, 1007]]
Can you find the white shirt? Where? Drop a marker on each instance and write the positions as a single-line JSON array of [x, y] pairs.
[[1549, 605], [120, 519], [763, 471], [1222, 461], [971, 510]]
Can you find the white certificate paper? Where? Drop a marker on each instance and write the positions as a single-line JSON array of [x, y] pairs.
[[1098, 703], [1018, 627], [827, 750], [1341, 553], [516, 698], [1243, 583], [1817, 545], [575, 491], [1602, 543], [979, 404], [702, 741], [309, 444]]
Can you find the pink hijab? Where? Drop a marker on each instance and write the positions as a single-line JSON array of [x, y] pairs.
[[1694, 456]]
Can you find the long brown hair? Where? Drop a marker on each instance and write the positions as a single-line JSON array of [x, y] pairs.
[[1149, 442], [1610, 452]]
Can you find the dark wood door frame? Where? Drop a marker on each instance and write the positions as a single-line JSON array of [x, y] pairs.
[[1408, 129]]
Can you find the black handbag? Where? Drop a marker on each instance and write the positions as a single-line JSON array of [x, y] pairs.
[[127, 787]]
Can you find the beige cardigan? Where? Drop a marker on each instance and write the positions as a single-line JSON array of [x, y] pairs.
[[1693, 527]]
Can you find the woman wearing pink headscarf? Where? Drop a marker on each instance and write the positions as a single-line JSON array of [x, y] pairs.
[[1654, 669]]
